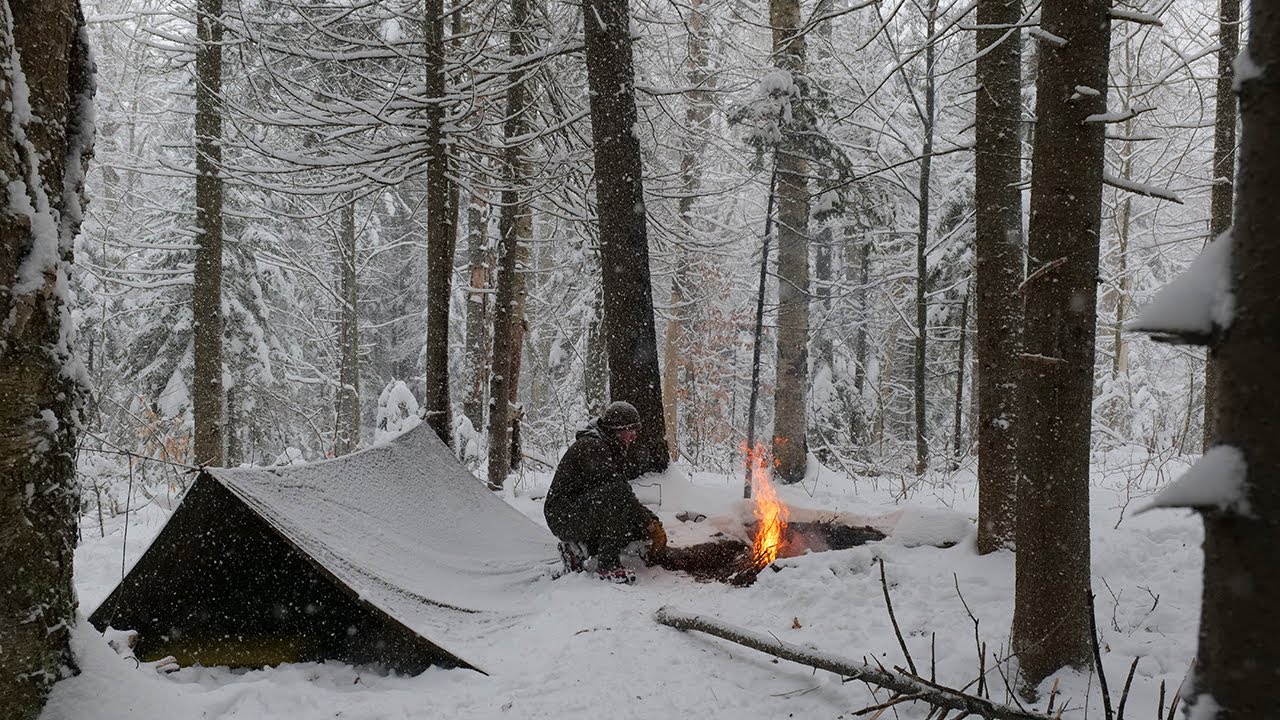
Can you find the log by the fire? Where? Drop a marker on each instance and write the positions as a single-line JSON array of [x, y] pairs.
[[897, 680], [730, 560]]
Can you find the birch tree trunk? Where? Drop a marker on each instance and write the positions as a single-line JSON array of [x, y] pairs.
[[998, 240], [513, 224], [441, 231], [1221, 196], [346, 436], [207, 395], [47, 139], [1239, 621], [790, 450], [1052, 605], [624, 248]]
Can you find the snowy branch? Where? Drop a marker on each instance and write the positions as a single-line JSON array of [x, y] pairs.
[[1216, 481], [1134, 16], [1197, 306], [1046, 36], [1151, 191], [1119, 116]]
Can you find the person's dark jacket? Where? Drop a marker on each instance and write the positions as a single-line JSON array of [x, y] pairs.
[[595, 466]]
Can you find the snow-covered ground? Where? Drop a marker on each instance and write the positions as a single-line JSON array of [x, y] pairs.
[[589, 649]]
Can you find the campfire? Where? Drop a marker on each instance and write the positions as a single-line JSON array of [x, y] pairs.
[[770, 512], [738, 558]]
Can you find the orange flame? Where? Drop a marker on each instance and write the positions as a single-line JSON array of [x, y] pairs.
[[771, 514]]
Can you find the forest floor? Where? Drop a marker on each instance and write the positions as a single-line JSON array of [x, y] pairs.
[[589, 649]]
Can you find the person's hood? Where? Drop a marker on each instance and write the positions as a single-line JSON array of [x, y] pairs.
[[593, 429]]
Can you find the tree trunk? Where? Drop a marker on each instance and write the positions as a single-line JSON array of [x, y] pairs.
[[441, 231], [697, 117], [957, 450], [346, 437], [922, 241], [998, 240], [479, 260], [1120, 408], [857, 415], [595, 371], [624, 248], [1239, 622], [207, 395], [523, 219], [790, 451], [513, 224], [1224, 169], [48, 138], [1052, 609]]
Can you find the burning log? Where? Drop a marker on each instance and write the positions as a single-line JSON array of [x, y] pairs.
[[772, 534], [898, 680], [723, 560], [730, 560]]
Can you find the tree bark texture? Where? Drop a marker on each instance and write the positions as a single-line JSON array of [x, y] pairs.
[[697, 120], [1240, 614], [441, 231], [208, 399], [347, 431], [624, 248], [595, 371], [44, 46], [479, 260], [790, 452], [513, 224], [860, 274], [1051, 610], [1221, 197], [957, 434], [998, 240], [922, 243]]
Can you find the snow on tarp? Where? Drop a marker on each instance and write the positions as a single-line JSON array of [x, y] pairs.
[[412, 533], [1196, 305]]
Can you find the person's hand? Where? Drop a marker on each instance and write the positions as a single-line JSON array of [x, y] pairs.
[[657, 541]]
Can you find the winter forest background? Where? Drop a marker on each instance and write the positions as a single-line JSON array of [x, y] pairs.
[[311, 226], [323, 149]]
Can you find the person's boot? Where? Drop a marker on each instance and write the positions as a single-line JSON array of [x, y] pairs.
[[573, 557], [617, 575]]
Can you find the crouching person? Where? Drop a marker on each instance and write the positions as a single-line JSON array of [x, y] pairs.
[[590, 506]]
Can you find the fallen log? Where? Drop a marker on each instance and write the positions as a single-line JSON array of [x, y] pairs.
[[897, 680]]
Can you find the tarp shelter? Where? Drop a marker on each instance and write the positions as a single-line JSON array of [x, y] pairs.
[[395, 556]]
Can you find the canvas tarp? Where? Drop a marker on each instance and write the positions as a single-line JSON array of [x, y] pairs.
[[402, 527]]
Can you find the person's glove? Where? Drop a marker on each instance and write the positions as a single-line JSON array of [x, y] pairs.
[[657, 541]]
